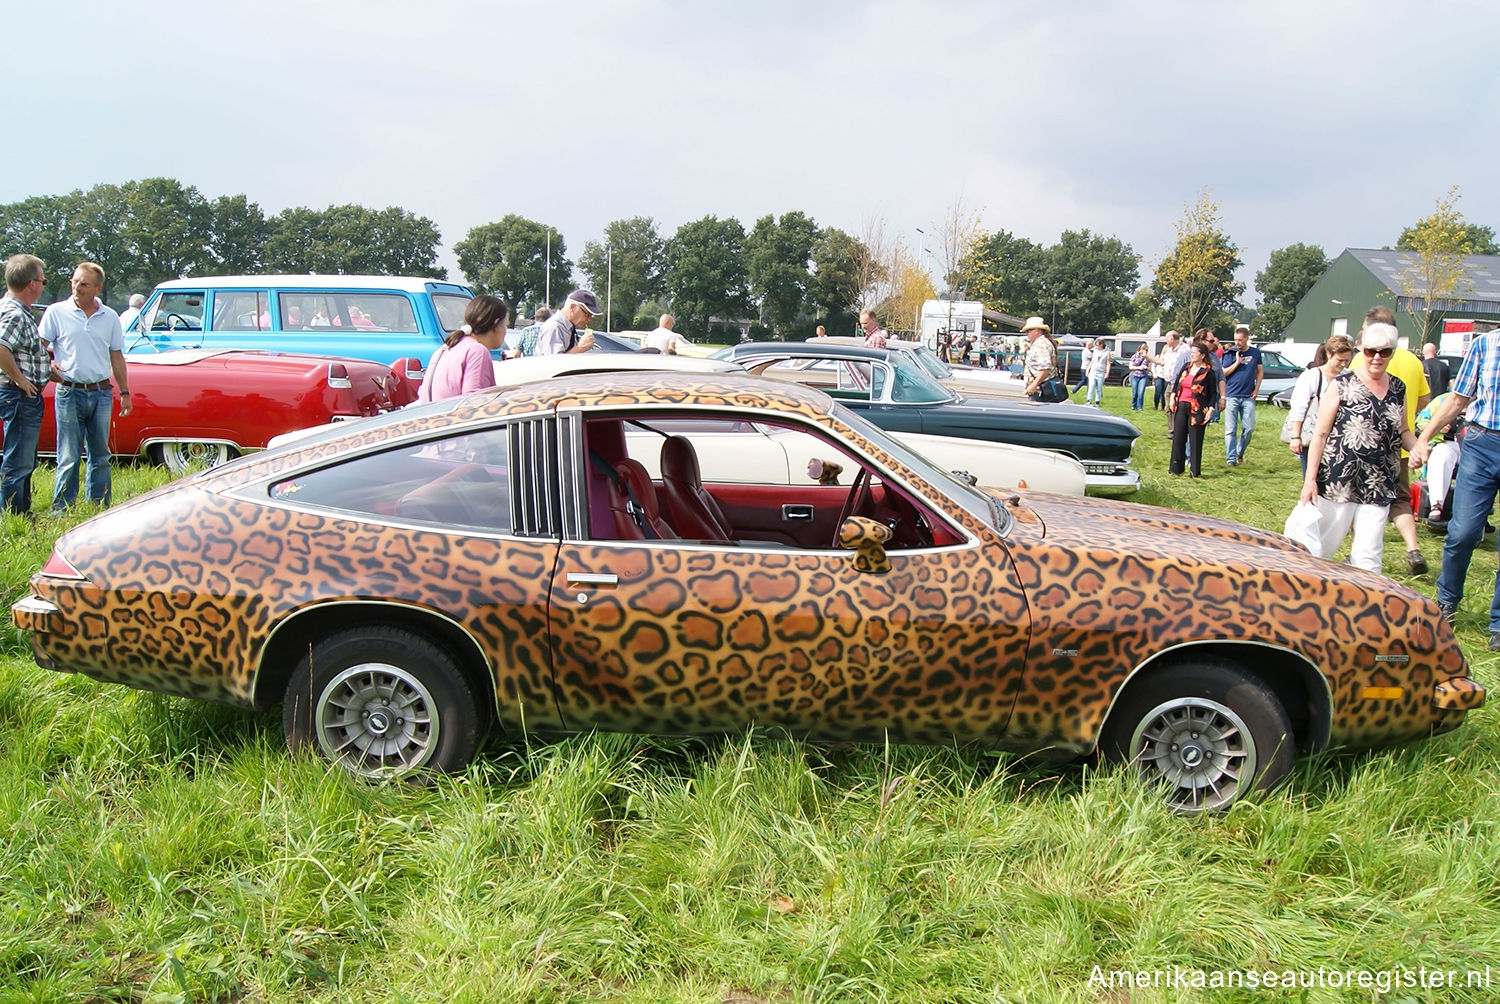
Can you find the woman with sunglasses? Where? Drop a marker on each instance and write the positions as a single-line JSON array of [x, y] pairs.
[[1354, 457]]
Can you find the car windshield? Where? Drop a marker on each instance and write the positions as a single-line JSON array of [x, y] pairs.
[[932, 364], [914, 385], [976, 502]]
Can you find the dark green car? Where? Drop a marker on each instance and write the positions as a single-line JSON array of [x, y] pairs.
[[898, 395]]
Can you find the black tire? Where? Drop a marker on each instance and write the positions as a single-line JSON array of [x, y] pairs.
[[1207, 732], [382, 703]]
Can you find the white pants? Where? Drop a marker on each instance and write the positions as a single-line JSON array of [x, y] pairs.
[[1440, 465], [1368, 523]]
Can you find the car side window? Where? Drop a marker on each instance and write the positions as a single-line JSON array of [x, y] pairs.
[[462, 482], [450, 310], [179, 310], [347, 310], [242, 311], [723, 480]]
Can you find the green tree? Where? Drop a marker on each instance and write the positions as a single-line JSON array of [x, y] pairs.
[[833, 291], [1436, 277], [166, 228], [42, 225], [1195, 282], [706, 274], [1480, 239], [627, 267], [352, 239], [1140, 314], [1006, 273], [1288, 275], [777, 258], [238, 230], [509, 259], [1088, 280], [99, 232]]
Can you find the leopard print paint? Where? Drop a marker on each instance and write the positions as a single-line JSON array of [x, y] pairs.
[[1082, 593]]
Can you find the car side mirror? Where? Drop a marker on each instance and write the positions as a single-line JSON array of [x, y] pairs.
[[866, 538]]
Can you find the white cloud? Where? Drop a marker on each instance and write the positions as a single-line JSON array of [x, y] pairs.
[[1331, 123]]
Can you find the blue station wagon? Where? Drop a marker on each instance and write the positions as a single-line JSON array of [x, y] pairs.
[[380, 318]]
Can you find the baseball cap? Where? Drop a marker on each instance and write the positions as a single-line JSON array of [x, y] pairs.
[[585, 299]]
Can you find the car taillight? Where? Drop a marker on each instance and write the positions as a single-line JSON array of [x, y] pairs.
[[338, 376], [58, 567]]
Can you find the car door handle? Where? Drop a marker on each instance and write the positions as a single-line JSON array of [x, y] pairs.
[[797, 513], [593, 579]]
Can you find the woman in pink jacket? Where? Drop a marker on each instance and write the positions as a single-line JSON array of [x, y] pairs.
[[462, 364]]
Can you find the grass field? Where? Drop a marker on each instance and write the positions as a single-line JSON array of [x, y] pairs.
[[161, 850]]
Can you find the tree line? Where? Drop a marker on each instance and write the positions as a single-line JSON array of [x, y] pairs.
[[143, 232], [787, 273]]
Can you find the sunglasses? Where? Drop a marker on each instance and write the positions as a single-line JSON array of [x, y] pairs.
[[1382, 353]]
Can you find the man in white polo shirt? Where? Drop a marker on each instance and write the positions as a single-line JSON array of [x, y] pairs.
[[87, 346]]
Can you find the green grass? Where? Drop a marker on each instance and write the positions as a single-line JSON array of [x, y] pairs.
[[162, 850]]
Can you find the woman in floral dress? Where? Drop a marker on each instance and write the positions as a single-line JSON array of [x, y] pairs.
[[1354, 459]]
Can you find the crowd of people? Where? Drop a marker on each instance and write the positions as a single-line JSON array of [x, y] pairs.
[[1356, 446]]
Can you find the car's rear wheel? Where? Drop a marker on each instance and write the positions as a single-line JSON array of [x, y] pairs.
[[382, 702], [182, 458], [1208, 734]]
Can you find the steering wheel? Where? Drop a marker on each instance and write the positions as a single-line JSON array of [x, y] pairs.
[[173, 327], [859, 495]]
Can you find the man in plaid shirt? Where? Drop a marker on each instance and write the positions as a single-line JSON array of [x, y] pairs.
[[25, 368], [1477, 389]]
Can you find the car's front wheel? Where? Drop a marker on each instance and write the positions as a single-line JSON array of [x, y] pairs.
[[382, 702], [1206, 733]]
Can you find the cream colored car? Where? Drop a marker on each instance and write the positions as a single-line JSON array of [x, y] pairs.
[[754, 454]]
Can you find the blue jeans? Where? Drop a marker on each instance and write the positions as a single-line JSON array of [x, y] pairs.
[[1138, 392], [1474, 488], [82, 426], [1096, 389], [1239, 424], [22, 417]]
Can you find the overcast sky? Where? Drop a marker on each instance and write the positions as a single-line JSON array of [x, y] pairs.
[[1331, 123]]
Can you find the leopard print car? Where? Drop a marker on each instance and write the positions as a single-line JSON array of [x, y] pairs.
[[517, 559]]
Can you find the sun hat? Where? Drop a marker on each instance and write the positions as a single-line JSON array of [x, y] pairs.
[[1035, 323]]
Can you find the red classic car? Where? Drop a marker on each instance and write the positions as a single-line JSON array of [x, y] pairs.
[[199, 407]]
